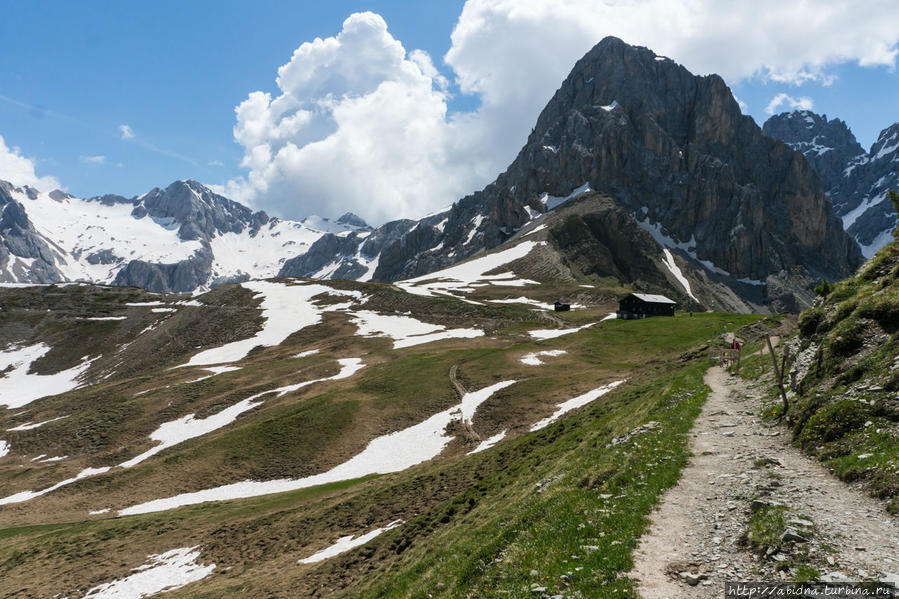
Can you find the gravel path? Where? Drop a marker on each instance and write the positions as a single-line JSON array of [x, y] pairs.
[[693, 545]]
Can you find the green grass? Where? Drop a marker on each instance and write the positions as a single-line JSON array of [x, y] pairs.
[[569, 508], [846, 412], [559, 501]]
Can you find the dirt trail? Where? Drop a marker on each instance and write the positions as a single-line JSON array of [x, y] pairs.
[[697, 528], [460, 388]]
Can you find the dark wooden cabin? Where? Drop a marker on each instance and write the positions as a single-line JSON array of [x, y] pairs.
[[562, 307], [641, 305]]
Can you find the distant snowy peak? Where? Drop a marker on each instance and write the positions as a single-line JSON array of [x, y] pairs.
[[857, 181], [828, 145], [181, 238]]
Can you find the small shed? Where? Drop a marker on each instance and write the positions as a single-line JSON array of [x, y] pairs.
[[641, 305], [562, 307]]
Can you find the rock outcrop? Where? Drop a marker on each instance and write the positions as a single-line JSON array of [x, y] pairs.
[[674, 150], [856, 181]]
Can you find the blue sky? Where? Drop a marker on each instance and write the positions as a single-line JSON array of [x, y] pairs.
[[71, 74], [171, 70]]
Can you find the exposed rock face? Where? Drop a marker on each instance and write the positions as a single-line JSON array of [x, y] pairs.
[[179, 238], [682, 169], [856, 180], [351, 256], [675, 152], [351, 219], [25, 256], [182, 276], [200, 212], [607, 242], [829, 146]]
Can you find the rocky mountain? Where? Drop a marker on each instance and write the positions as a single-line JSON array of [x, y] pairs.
[[743, 217], [181, 238], [675, 153], [857, 181]]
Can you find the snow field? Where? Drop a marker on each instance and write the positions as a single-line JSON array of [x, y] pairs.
[[285, 308], [188, 427], [19, 388], [461, 276], [389, 453]]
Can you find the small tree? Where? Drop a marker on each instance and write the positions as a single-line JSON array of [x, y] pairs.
[[894, 199], [823, 288]]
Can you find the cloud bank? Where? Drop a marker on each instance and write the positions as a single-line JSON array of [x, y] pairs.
[[359, 123], [19, 170]]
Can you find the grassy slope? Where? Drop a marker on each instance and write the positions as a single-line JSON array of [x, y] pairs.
[[476, 524], [847, 409]]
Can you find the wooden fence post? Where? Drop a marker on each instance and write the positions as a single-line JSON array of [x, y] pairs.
[[779, 374]]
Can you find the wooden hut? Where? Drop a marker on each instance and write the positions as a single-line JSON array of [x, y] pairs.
[[641, 305]]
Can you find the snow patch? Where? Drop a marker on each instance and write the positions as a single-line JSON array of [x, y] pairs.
[[28, 495], [28, 426], [344, 544], [57, 458], [533, 359], [475, 223], [215, 370], [285, 308], [19, 388], [162, 573], [674, 269], [488, 443], [535, 229], [405, 330], [689, 247], [461, 276], [850, 217], [553, 333], [524, 300], [4, 448], [878, 242], [187, 427], [574, 403], [552, 202], [389, 453]]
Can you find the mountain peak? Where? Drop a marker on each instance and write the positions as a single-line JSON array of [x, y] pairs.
[[353, 220], [887, 142]]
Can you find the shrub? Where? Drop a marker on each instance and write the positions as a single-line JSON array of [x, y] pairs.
[[883, 309], [823, 288], [844, 310], [832, 422], [809, 321], [843, 290], [846, 337]]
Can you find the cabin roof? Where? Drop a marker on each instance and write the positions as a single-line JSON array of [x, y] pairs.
[[653, 299]]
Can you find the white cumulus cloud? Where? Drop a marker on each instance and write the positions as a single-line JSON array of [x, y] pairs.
[[359, 123], [126, 132], [19, 170], [801, 103]]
